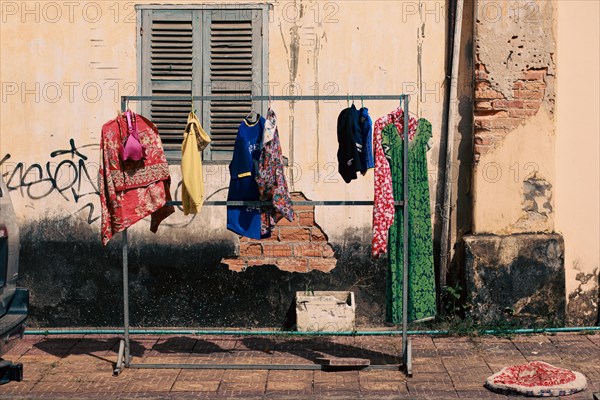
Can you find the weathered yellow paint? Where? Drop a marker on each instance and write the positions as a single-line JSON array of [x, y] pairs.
[[558, 147], [578, 143], [63, 66], [344, 47], [500, 206]]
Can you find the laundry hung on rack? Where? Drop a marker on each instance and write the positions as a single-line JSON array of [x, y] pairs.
[[132, 189], [270, 177], [421, 275], [195, 140], [246, 220], [383, 201], [354, 142], [365, 124]]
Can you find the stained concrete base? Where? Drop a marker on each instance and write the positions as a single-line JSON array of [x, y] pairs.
[[519, 275]]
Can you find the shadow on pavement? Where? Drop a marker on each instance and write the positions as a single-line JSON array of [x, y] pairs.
[[61, 347], [311, 349]]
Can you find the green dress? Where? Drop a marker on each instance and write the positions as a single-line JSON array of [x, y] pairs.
[[421, 274]]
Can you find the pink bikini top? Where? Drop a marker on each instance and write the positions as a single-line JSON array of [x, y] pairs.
[[132, 148]]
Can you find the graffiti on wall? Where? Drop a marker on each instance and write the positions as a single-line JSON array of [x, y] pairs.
[[68, 173]]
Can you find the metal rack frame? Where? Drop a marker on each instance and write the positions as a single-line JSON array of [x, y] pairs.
[[124, 356]]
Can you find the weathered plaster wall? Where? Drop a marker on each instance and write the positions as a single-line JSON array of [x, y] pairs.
[[87, 65], [536, 125], [74, 282], [63, 67], [514, 174], [354, 56], [578, 155]]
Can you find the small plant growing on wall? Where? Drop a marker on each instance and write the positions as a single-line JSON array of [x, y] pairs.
[[308, 288], [453, 304]]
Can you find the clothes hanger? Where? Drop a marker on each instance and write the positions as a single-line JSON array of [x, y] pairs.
[[127, 114], [252, 116], [121, 113], [410, 112]]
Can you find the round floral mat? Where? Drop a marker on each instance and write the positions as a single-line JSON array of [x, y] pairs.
[[536, 379]]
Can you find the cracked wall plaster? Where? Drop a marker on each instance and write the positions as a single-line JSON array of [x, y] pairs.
[[520, 40]]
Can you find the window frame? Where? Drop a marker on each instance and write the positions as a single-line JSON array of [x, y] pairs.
[[203, 111]]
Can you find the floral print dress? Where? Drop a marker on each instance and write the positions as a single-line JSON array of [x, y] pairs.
[[421, 274], [270, 178], [383, 202]]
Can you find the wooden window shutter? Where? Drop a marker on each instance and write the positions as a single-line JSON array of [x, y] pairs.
[[233, 68], [189, 52], [171, 51]]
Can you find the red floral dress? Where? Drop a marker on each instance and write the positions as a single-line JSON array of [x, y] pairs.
[[130, 191], [270, 178], [383, 202]]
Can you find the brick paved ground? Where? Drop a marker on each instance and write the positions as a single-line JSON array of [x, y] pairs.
[[80, 367]]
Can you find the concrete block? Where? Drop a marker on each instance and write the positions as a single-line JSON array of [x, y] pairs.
[[325, 311], [518, 275]]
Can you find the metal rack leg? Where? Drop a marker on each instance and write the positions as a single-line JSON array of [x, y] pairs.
[[119, 367], [406, 347], [125, 341], [123, 358], [126, 298], [407, 358]]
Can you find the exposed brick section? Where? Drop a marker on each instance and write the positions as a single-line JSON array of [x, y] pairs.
[[307, 218], [328, 251], [534, 75], [278, 250], [251, 249], [293, 264], [274, 238], [255, 262], [515, 113], [300, 234], [317, 235], [483, 105], [495, 114], [296, 246], [484, 91], [237, 265], [491, 122], [506, 104], [481, 73], [309, 250], [294, 222], [299, 196]]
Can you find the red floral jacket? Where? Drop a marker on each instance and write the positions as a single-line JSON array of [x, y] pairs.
[[130, 191]]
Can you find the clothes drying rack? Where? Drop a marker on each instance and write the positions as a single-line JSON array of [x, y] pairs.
[[124, 356]]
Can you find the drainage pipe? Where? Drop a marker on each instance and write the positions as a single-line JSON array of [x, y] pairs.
[[451, 128], [51, 332]]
